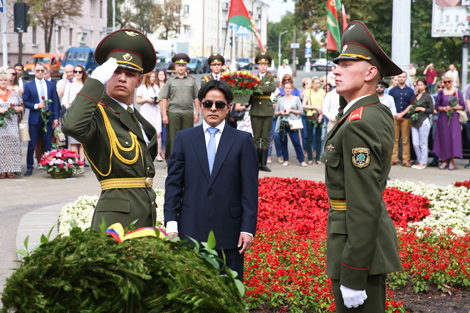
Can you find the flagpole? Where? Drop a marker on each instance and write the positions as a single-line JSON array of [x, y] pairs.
[[234, 57]]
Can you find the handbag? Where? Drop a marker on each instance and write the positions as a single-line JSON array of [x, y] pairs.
[[60, 139], [296, 124], [24, 131], [463, 118], [236, 115]]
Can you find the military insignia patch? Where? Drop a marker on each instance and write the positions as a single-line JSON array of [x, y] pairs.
[[360, 157], [345, 47], [131, 33], [356, 114], [127, 57]]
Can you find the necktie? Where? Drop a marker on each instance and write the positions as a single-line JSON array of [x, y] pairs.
[[131, 112], [211, 148], [42, 92]]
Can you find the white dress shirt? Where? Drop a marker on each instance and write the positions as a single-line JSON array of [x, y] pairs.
[[389, 102], [38, 88]]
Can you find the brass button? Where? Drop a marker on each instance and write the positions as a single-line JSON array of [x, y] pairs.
[[149, 182]]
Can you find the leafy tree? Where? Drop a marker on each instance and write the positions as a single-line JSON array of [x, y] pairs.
[[168, 18], [50, 14]]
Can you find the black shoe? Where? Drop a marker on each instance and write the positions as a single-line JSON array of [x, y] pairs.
[[28, 172], [264, 157], [433, 164]]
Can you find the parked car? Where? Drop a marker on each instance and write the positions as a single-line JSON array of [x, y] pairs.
[[82, 55], [195, 66], [322, 65], [244, 64], [51, 60], [205, 67], [161, 64]]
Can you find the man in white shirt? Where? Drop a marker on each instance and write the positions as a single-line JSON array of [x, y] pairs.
[[283, 70], [452, 70], [387, 100]]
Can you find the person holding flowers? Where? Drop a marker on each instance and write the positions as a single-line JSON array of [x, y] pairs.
[[262, 109], [40, 97], [10, 108], [420, 124], [448, 137], [312, 104], [289, 108]]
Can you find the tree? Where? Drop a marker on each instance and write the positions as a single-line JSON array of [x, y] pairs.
[[52, 13], [168, 18]]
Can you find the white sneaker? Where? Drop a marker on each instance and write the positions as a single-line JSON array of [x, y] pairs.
[[40, 167], [159, 158], [420, 168]]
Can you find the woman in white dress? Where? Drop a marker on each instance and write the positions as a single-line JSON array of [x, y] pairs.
[[147, 96], [71, 91]]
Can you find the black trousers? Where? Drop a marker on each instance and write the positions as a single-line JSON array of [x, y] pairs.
[[375, 291], [234, 261]]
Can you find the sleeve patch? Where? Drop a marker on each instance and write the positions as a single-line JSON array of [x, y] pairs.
[[356, 114], [360, 157]]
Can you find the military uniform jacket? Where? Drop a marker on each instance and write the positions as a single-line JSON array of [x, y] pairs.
[[85, 122], [362, 239], [261, 105], [206, 79]]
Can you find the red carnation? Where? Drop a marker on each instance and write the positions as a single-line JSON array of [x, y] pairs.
[[11, 105], [311, 117], [43, 98]]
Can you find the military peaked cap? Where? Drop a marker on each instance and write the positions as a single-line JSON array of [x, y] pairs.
[[359, 44], [131, 49], [180, 58], [216, 59], [263, 57]]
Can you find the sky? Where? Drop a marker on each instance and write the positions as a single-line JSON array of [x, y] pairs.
[[277, 8]]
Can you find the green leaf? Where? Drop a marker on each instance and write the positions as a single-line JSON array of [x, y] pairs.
[[240, 287], [103, 226], [211, 240], [22, 252], [26, 242]]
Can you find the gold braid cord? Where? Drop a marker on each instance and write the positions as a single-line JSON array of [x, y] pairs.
[[116, 146]]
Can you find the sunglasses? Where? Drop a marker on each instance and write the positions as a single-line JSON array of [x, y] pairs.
[[218, 104], [13, 74], [440, 87], [447, 82], [77, 72], [41, 71], [379, 86]]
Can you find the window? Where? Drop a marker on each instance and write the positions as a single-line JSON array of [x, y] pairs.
[[92, 6], [71, 37], [101, 8], [34, 35], [59, 35], [186, 9]]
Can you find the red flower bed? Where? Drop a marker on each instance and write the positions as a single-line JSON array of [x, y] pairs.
[[286, 266], [463, 184]]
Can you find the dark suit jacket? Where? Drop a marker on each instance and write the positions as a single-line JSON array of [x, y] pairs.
[[31, 97], [84, 121], [226, 201]]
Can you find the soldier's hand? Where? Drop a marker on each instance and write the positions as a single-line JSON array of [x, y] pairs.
[[105, 71], [165, 120], [352, 298]]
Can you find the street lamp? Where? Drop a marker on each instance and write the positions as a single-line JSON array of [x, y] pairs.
[[279, 54]]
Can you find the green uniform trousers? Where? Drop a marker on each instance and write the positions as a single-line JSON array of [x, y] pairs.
[[375, 291], [176, 122], [261, 127]]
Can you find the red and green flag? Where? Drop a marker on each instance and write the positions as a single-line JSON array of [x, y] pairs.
[[239, 15], [333, 40]]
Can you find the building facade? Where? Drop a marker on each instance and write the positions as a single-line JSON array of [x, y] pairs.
[[206, 29], [87, 30]]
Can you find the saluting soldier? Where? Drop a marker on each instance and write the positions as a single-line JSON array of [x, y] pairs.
[[362, 242], [262, 109], [120, 144], [216, 63], [177, 98]]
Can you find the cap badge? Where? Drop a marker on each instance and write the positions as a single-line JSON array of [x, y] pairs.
[[127, 57], [345, 47], [131, 33], [351, 26]]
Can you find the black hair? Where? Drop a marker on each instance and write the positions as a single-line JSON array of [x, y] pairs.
[[218, 85], [425, 83], [19, 64]]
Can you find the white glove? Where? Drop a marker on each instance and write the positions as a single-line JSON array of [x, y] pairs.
[[104, 72], [353, 298]]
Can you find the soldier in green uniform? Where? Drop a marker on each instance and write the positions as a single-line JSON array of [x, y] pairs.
[[362, 242], [119, 143], [262, 109], [216, 62], [177, 98]]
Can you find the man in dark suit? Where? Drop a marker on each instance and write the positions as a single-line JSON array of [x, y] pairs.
[[40, 97], [212, 181]]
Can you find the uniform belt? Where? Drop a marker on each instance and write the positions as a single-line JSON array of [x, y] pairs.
[[262, 97], [134, 182], [338, 205]]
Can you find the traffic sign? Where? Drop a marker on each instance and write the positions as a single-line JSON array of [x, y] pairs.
[[295, 45], [242, 31], [1, 6], [308, 52], [308, 44]]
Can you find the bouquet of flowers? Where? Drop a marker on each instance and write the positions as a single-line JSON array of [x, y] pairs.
[[243, 84], [45, 113], [5, 115], [414, 115], [314, 119], [61, 161], [453, 102]]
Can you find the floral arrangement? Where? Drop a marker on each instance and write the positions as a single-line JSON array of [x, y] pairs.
[[45, 113], [314, 119], [453, 103], [242, 82], [6, 115], [80, 212], [61, 160], [414, 115]]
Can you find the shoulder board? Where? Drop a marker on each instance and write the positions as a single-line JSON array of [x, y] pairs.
[[271, 74], [206, 78], [356, 114]]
